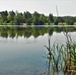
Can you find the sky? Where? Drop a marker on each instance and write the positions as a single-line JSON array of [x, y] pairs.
[[65, 7]]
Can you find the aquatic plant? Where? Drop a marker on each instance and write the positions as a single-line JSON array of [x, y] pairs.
[[63, 57]]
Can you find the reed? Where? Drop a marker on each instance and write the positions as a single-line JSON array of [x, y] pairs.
[[63, 57]]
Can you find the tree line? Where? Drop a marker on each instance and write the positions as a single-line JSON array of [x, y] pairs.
[[27, 18]]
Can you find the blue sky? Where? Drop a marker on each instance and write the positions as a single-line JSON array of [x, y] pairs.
[[65, 7]]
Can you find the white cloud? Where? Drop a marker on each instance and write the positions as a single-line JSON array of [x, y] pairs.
[[65, 7]]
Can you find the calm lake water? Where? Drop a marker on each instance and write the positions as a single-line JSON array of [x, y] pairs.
[[22, 49]]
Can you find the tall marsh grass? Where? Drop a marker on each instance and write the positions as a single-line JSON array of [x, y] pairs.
[[63, 57]]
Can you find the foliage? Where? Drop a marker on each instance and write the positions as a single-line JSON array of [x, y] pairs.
[[35, 18]]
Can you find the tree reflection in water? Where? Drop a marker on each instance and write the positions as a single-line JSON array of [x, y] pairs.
[[9, 31]]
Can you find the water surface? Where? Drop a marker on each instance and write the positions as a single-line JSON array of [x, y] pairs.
[[22, 50]]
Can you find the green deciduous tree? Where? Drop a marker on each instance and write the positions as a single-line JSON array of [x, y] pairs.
[[51, 17]]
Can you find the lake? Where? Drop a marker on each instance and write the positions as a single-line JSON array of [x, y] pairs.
[[23, 51]]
